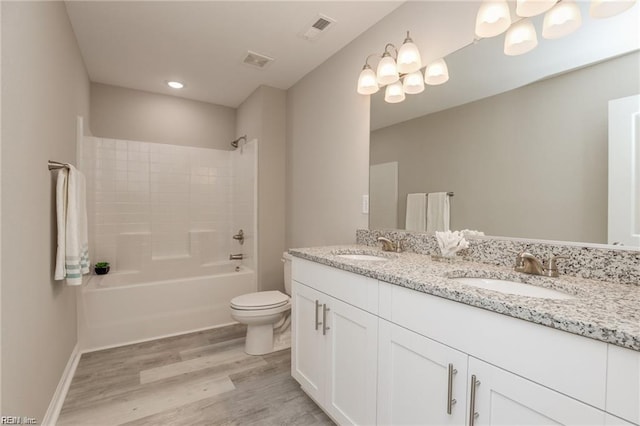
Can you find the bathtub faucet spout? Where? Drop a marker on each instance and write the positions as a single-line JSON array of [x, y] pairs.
[[235, 256]]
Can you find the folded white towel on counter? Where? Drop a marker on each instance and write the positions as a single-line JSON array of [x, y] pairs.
[[72, 257], [438, 212], [451, 242], [416, 217]]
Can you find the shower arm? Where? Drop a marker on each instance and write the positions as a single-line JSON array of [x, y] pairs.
[[236, 142]]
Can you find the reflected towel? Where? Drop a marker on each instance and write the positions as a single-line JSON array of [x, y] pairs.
[[72, 257], [437, 212], [416, 218]]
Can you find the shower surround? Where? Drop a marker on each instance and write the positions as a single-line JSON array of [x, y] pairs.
[[149, 203], [164, 217]]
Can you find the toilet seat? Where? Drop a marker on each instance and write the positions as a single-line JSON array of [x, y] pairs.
[[259, 301]]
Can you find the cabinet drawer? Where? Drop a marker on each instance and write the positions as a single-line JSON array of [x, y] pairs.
[[623, 383], [571, 364], [354, 289]]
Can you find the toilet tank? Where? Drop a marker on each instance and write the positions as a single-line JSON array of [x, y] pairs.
[[286, 259]]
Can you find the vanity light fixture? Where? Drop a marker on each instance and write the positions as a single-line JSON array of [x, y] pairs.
[[521, 38], [175, 84], [401, 72], [493, 18], [563, 19], [606, 8]]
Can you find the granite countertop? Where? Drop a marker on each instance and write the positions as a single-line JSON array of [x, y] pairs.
[[603, 311]]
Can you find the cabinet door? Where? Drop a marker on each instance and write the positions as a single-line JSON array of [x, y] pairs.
[[502, 398], [413, 382], [307, 343], [352, 364]]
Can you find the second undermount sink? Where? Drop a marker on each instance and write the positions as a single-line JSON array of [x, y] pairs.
[[368, 257], [514, 287]]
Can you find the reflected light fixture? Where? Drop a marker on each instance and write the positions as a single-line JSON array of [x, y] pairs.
[[529, 8], [394, 93], [436, 73], [607, 8], [400, 72], [367, 82], [493, 18], [520, 38], [175, 84], [387, 69], [563, 19], [413, 83], [408, 57]]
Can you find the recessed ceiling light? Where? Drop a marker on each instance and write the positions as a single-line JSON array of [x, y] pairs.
[[175, 84]]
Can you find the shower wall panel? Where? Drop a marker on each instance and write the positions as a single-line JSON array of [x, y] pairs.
[[150, 202]]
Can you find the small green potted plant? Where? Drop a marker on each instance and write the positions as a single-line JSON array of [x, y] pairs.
[[102, 268]]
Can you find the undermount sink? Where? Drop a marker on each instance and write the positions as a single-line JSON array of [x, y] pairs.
[[368, 257], [514, 287]]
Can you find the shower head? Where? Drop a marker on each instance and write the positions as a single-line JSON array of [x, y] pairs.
[[236, 142]]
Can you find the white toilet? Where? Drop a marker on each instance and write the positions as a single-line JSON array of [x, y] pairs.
[[263, 312]]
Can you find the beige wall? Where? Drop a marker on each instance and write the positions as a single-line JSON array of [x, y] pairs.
[[529, 163], [120, 113], [44, 88], [262, 116], [328, 125]]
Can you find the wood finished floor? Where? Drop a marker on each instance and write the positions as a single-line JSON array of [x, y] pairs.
[[202, 378]]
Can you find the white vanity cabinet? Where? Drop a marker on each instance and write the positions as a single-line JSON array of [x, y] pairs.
[[334, 344], [503, 398], [369, 352], [420, 381]]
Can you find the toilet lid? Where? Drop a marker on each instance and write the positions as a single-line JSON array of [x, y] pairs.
[[260, 300]]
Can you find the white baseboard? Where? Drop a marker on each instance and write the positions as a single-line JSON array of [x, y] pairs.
[[55, 406]]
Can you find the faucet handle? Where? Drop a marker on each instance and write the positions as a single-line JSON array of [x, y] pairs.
[[552, 265], [519, 266]]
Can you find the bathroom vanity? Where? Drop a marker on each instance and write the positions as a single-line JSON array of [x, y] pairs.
[[385, 338]]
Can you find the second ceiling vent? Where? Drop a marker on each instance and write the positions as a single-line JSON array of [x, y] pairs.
[[317, 27]]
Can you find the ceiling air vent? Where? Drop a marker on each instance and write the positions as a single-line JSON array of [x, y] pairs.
[[257, 60], [318, 26]]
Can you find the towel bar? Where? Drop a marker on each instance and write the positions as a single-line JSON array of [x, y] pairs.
[[55, 165]]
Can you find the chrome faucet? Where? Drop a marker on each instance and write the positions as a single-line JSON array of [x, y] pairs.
[[529, 264], [388, 245]]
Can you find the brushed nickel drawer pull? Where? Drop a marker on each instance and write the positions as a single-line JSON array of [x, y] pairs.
[[316, 321], [472, 403], [450, 400], [324, 319]]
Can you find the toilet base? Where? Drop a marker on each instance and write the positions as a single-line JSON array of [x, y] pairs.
[[259, 340]]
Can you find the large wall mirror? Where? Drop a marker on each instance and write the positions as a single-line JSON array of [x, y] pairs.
[[521, 141]]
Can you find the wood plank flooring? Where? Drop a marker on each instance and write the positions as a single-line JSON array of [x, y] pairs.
[[202, 378]]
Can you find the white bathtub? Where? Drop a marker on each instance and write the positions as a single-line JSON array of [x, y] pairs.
[[122, 308]]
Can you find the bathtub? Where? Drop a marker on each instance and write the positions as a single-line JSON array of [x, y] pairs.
[[128, 307]]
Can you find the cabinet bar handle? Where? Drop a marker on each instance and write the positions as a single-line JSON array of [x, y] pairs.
[[324, 319], [316, 321], [450, 400], [472, 400]]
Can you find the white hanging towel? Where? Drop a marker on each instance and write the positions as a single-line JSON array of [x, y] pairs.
[[416, 218], [437, 212], [72, 257]]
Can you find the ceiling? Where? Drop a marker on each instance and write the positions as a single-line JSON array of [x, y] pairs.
[[142, 44]]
